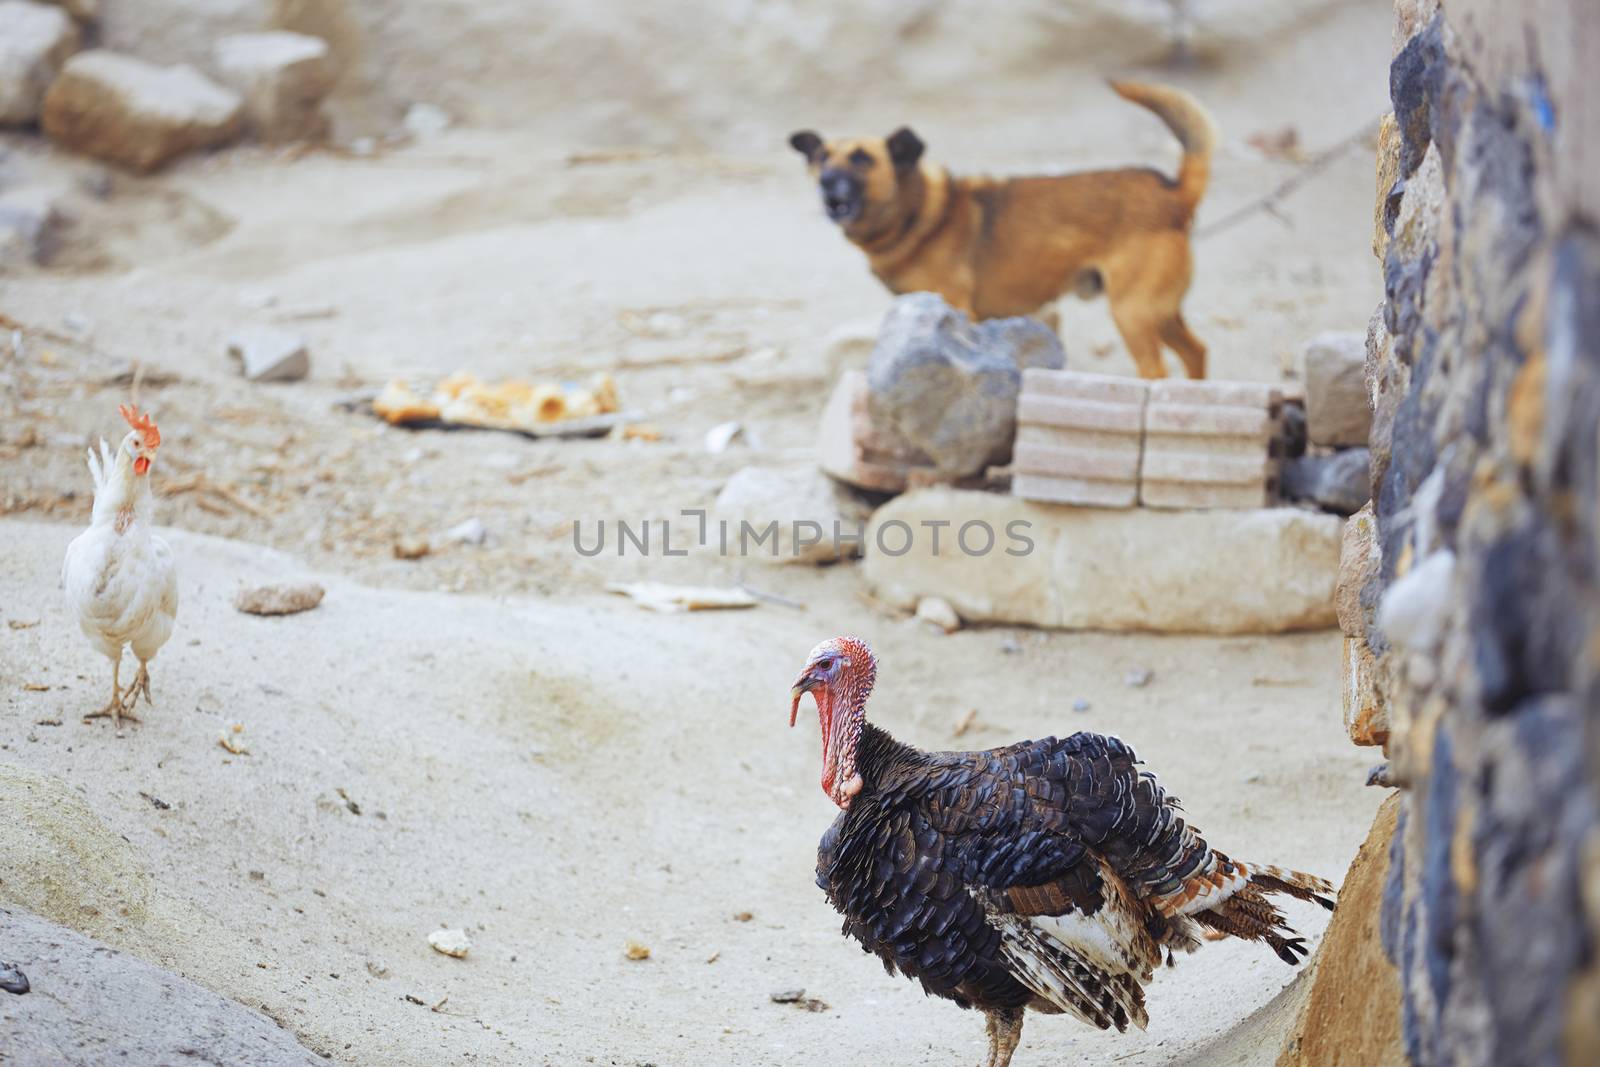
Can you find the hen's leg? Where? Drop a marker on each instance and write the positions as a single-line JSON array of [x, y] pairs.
[[141, 684], [115, 710]]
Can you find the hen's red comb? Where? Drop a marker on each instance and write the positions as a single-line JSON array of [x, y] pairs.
[[142, 423]]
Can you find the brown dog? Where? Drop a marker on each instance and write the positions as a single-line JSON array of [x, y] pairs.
[[995, 247]]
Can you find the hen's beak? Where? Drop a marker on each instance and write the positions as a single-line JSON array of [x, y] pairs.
[[801, 688]]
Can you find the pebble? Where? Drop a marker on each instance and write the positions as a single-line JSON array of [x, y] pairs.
[[453, 943], [1080, 705], [290, 598], [719, 437], [635, 951], [938, 611], [426, 120], [12, 980], [1011, 646], [1137, 677], [471, 532]]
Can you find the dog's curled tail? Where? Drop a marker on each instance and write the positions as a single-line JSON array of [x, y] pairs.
[[1190, 122]]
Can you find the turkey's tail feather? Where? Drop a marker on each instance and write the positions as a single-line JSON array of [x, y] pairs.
[[1248, 914]]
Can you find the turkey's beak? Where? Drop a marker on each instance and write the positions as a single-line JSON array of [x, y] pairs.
[[801, 688]]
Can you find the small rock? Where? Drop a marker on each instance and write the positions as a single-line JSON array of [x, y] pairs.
[[784, 515], [787, 996], [720, 436], [743, 916], [949, 386], [423, 121], [1080, 705], [411, 548], [454, 943], [29, 225], [635, 951], [1254, 778], [136, 114], [1340, 482], [283, 78], [937, 611], [286, 599], [1011, 646], [34, 45], [470, 532], [232, 739], [12, 980], [1137, 677], [268, 354], [1338, 408]]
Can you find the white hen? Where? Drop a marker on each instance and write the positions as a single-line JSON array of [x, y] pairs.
[[119, 576]]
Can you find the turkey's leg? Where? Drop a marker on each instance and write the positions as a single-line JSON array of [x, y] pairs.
[[1005, 1030], [115, 710]]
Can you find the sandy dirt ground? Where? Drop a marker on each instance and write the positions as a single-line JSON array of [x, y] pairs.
[[533, 760]]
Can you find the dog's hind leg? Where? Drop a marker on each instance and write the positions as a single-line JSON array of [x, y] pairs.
[[1190, 349], [1139, 333]]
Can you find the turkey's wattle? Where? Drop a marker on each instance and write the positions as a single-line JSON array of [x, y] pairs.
[[839, 675], [1050, 874]]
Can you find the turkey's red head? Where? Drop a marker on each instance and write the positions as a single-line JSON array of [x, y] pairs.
[[146, 437], [839, 675]]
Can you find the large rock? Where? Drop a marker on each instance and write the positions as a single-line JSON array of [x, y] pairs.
[[811, 518], [1351, 1015], [1000, 559], [1338, 409], [1337, 481], [91, 1004], [950, 387], [35, 41], [283, 78], [180, 31], [135, 114]]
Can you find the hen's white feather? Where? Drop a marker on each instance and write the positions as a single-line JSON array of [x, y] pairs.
[[120, 577]]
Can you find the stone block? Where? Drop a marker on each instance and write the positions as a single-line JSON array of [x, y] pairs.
[[1338, 406], [135, 114], [1366, 711], [35, 41], [283, 79], [1358, 563], [1260, 571], [854, 450], [1079, 438], [1083, 492]]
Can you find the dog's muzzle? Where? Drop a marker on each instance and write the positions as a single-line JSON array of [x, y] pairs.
[[841, 196]]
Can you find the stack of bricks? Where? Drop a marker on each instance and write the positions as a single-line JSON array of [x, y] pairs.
[[1095, 440], [851, 448], [1078, 438], [1209, 445]]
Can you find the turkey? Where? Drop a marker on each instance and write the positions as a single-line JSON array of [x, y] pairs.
[[1051, 874], [119, 576]]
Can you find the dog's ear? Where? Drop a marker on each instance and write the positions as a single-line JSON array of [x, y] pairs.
[[905, 148], [807, 143]]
